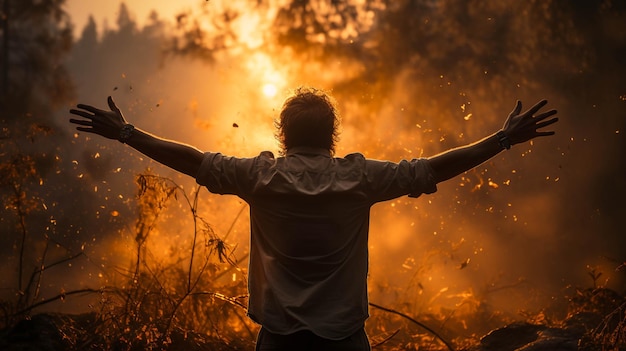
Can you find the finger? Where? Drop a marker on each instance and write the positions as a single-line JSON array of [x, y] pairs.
[[90, 108], [113, 106], [81, 122], [542, 134], [536, 107], [546, 123], [517, 108], [545, 115], [83, 129], [81, 113]]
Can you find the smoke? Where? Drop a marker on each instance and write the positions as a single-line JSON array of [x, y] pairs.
[[513, 234]]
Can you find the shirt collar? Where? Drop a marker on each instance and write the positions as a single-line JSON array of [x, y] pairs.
[[307, 150]]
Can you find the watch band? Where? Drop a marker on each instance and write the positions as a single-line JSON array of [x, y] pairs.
[[504, 140], [126, 132]]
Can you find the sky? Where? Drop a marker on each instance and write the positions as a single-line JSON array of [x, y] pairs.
[[80, 10]]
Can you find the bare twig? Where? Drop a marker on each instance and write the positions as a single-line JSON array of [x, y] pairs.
[[195, 237], [386, 339], [448, 345], [232, 224], [231, 300], [59, 297], [22, 218], [42, 267]]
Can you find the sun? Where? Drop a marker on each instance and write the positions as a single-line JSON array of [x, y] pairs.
[[264, 74], [270, 90]]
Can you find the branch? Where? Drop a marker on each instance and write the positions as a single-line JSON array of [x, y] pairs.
[[58, 297], [414, 321], [386, 339], [231, 300]]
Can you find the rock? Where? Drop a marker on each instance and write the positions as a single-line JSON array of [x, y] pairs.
[[39, 333], [552, 344], [553, 339], [510, 337], [581, 322], [521, 336]]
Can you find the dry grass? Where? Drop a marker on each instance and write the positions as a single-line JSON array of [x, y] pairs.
[[191, 303]]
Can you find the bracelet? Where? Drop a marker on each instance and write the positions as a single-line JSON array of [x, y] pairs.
[[126, 132], [504, 140]]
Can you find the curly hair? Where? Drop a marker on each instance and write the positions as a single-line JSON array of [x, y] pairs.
[[308, 118]]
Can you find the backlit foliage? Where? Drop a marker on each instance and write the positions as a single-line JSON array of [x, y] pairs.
[[189, 296], [413, 77]]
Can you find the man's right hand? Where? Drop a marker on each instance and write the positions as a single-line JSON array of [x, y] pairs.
[[97, 121], [181, 157]]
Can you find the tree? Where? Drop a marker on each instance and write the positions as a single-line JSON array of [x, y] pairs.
[[36, 35], [89, 37]]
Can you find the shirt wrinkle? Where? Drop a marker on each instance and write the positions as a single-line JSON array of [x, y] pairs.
[[309, 223]]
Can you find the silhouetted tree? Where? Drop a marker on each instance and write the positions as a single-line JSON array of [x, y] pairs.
[[89, 37], [36, 35], [126, 25]]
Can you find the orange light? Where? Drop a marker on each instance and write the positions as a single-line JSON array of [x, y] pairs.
[[270, 90]]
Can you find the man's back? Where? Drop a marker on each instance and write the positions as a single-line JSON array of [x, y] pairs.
[[309, 217]]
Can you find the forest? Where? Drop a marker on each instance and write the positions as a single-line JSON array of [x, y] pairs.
[[104, 249]]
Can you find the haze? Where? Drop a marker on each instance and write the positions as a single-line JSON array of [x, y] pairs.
[[520, 232]]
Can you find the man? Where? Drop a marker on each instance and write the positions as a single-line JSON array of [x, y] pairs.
[[309, 211]]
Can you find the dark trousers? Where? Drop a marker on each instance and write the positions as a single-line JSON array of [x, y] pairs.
[[307, 341]]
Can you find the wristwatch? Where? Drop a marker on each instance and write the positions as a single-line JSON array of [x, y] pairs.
[[504, 140], [126, 132]]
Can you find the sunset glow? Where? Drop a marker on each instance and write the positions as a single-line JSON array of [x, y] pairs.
[[271, 79], [270, 90], [515, 238]]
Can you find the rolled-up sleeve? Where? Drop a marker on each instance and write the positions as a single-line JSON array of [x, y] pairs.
[[389, 180], [214, 174], [226, 175], [423, 178]]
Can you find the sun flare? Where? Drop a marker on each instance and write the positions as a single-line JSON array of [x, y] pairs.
[[270, 90], [264, 71]]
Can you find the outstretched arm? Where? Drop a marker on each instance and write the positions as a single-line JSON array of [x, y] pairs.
[[518, 128], [112, 125]]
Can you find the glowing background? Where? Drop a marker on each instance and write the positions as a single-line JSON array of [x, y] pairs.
[[500, 218], [513, 234], [106, 12]]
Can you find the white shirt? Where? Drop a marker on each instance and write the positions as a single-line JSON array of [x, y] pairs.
[[309, 222]]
